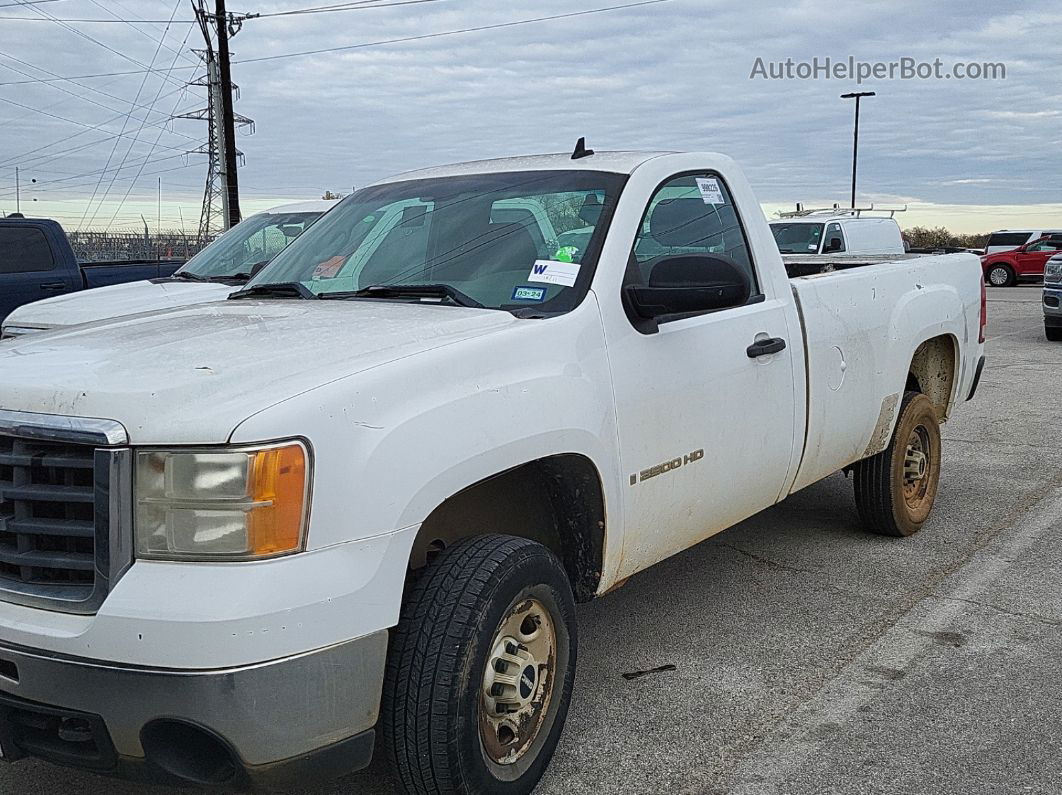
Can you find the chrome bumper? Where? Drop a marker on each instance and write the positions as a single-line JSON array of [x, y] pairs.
[[112, 718]]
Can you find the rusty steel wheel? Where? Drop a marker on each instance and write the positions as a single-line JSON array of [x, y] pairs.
[[895, 489], [518, 682]]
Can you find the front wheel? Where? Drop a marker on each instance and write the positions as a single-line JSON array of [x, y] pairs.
[[480, 670], [1000, 276], [895, 489], [1053, 333]]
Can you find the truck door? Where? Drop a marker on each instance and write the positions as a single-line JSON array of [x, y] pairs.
[[28, 268], [705, 411]]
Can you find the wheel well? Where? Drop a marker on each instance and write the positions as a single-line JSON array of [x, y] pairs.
[[932, 372], [557, 501]]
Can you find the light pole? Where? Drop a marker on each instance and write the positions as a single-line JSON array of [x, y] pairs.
[[855, 139]]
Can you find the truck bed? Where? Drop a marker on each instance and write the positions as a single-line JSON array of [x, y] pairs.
[[797, 265], [860, 326]]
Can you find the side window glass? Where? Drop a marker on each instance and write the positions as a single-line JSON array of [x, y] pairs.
[[691, 214], [834, 239], [24, 249]]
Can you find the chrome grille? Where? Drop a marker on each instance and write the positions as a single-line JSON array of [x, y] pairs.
[[64, 510]]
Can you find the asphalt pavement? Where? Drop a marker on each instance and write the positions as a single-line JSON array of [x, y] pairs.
[[811, 657]]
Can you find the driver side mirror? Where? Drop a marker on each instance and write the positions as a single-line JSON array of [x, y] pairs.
[[687, 284], [833, 244]]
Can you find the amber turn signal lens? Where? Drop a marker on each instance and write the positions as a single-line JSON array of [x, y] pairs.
[[278, 490]]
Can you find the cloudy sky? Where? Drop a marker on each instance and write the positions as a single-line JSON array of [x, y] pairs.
[[974, 154]]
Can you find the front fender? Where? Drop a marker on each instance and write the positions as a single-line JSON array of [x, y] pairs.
[[393, 443]]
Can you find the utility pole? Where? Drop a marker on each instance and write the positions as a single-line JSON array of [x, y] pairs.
[[855, 139], [220, 148], [228, 126]]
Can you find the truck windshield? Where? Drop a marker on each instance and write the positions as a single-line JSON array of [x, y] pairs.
[[797, 238], [516, 240], [251, 242]]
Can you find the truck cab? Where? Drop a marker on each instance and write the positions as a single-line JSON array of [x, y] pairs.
[[35, 262]]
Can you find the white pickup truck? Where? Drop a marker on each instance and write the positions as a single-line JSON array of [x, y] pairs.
[[219, 269], [242, 543]]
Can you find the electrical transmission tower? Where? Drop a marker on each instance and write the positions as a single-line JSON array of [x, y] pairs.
[[221, 199]]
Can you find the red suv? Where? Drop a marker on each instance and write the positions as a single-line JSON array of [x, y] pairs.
[[1025, 263]]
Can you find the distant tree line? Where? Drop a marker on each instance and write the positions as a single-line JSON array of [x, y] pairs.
[[939, 237]]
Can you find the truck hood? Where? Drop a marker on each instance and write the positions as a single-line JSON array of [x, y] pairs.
[[103, 303], [192, 375]]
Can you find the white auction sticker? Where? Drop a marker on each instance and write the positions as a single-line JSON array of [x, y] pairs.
[[550, 271], [711, 193]]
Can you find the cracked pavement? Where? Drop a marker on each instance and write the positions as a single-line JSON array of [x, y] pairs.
[[811, 657]]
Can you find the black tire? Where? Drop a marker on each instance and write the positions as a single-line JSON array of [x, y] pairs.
[[1053, 333], [1000, 275], [888, 502], [434, 707]]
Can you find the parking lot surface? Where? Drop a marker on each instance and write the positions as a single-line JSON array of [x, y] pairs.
[[811, 657]]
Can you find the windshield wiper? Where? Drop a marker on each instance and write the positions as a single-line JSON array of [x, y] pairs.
[[408, 291], [245, 276], [278, 290], [189, 276]]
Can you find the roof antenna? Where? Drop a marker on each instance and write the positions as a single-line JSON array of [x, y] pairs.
[[581, 150]]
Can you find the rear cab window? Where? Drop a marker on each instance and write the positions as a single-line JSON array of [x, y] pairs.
[[24, 249]]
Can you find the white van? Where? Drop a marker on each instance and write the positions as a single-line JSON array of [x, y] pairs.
[[837, 234], [1008, 239]]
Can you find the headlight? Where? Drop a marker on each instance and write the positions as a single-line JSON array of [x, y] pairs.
[[18, 331], [1053, 270], [232, 504]]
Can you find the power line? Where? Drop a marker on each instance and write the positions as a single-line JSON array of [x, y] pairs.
[[74, 121], [67, 152], [125, 122], [56, 189], [140, 31], [422, 36], [141, 171], [84, 77], [363, 5], [76, 95], [27, 3], [87, 37], [495, 26], [89, 21]]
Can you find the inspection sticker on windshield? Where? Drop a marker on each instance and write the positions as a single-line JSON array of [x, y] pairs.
[[525, 293], [711, 193], [552, 272]]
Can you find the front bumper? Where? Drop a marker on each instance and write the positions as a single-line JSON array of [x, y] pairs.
[[276, 724], [1052, 303]]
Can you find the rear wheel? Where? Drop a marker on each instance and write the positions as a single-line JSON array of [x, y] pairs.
[[1000, 275], [1054, 333], [895, 489], [480, 670]]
